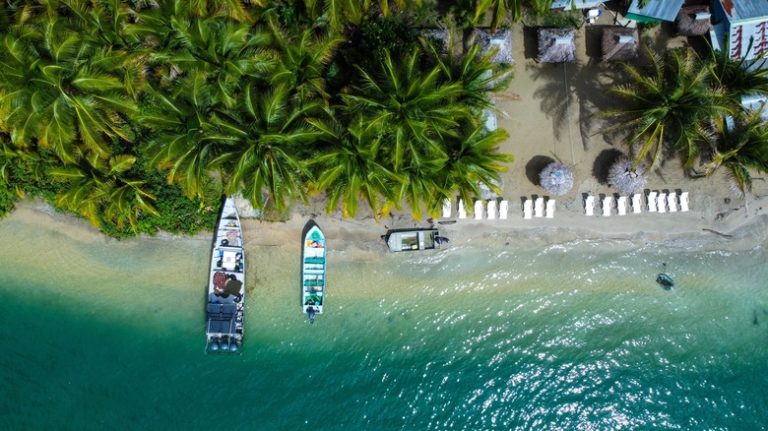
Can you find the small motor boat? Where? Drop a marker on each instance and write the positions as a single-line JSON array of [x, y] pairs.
[[665, 281]]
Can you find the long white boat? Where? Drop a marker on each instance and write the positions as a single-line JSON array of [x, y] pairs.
[[413, 239], [313, 282], [226, 284]]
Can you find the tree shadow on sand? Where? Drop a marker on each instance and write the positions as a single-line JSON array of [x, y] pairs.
[[603, 164], [535, 166]]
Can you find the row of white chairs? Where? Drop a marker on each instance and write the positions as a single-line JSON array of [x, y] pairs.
[[657, 202], [535, 208], [491, 209]]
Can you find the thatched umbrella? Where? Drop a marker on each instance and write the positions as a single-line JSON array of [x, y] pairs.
[[501, 41], [620, 43], [694, 20], [626, 179], [557, 45], [556, 178]]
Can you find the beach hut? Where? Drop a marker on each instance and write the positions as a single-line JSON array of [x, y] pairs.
[[501, 41], [694, 20], [620, 43], [654, 10], [742, 26], [557, 45], [576, 4]]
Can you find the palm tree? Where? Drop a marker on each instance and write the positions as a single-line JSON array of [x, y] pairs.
[[186, 133], [338, 13], [262, 141], [62, 91], [738, 78], [104, 191], [414, 109], [740, 145], [499, 10], [303, 61], [351, 168], [473, 159], [669, 103]]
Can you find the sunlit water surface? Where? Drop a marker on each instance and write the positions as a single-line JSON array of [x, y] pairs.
[[101, 334]]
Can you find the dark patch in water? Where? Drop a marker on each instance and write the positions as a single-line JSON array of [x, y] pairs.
[[754, 318]]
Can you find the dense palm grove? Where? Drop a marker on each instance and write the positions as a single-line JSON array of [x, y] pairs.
[[138, 115]]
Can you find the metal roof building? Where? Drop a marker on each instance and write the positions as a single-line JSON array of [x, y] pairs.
[[576, 4], [742, 26], [654, 10]]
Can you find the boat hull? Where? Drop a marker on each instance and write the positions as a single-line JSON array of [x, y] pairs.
[[399, 240], [313, 269], [226, 284]]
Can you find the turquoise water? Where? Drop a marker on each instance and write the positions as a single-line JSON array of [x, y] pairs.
[[100, 334]]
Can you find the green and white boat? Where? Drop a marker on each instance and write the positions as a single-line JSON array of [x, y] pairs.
[[313, 282]]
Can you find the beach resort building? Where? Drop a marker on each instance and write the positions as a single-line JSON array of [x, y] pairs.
[[741, 26], [620, 43], [654, 10], [557, 45]]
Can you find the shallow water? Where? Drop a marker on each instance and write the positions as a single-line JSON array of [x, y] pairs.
[[101, 334]]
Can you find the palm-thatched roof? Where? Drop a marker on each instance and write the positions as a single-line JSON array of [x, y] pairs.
[[694, 20], [624, 178], [439, 35], [501, 41], [620, 43], [557, 45], [556, 178]]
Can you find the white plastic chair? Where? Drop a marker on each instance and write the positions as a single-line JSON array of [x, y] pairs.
[[589, 206], [637, 203], [491, 209], [462, 210], [539, 207], [621, 205], [662, 203], [652, 202], [607, 204], [479, 209], [672, 202], [551, 208], [527, 209], [447, 208], [503, 209], [684, 201]]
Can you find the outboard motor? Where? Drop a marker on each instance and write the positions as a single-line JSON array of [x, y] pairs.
[[311, 314], [233, 346], [224, 344], [214, 345], [441, 240]]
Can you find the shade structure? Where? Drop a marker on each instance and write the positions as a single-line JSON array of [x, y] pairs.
[[626, 179], [557, 45], [556, 178], [500, 42], [620, 43], [694, 20]]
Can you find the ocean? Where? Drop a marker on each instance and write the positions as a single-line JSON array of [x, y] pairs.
[[100, 334]]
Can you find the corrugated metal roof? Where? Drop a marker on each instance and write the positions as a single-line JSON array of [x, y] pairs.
[[579, 4], [739, 10], [665, 10]]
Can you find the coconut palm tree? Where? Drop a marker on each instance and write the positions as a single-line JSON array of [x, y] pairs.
[[62, 91], [740, 146], [414, 109], [667, 103], [351, 169], [302, 61], [738, 77], [102, 191], [263, 138], [338, 13], [473, 159]]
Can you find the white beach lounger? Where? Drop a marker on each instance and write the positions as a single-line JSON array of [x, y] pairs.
[[492, 209], [503, 210], [637, 203], [551, 208], [447, 208], [684, 201], [607, 204], [662, 203], [621, 205], [589, 206], [462, 210], [479, 209], [672, 202], [652, 202], [527, 209], [539, 207]]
